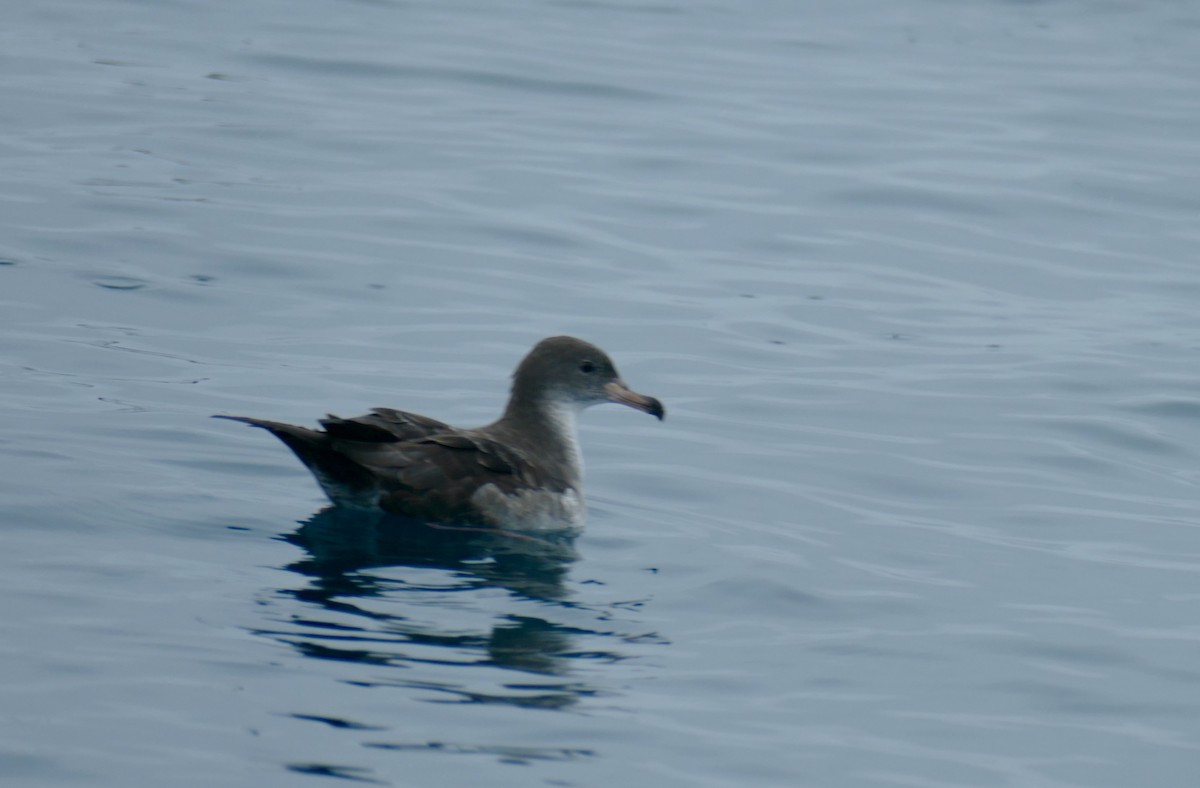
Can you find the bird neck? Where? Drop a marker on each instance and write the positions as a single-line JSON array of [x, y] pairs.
[[546, 428]]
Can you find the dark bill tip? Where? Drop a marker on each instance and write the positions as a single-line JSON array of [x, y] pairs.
[[620, 393], [656, 409]]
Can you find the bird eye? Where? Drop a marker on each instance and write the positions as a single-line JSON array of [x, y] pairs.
[[587, 367]]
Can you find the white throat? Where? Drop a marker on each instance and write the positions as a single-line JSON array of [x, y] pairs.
[[561, 416]]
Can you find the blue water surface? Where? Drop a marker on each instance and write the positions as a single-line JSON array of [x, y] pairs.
[[917, 282]]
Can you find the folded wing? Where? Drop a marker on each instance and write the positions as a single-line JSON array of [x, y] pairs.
[[407, 464]]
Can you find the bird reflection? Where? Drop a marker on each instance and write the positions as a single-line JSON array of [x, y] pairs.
[[341, 543], [382, 618]]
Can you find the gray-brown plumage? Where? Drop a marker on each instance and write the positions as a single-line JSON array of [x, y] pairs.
[[521, 472]]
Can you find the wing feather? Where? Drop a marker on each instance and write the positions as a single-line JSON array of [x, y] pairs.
[[419, 467]]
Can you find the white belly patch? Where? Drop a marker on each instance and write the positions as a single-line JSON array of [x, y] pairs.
[[531, 510]]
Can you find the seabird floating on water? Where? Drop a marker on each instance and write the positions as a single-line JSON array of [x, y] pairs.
[[522, 472]]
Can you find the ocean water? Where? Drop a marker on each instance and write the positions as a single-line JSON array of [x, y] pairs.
[[917, 283]]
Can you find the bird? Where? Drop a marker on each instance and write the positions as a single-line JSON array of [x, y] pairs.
[[522, 472]]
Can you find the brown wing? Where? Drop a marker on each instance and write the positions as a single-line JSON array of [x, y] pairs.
[[383, 425], [417, 466], [433, 478]]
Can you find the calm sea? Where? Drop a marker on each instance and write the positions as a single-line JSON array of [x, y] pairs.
[[917, 281]]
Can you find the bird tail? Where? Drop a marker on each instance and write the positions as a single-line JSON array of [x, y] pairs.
[[342, 479]]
